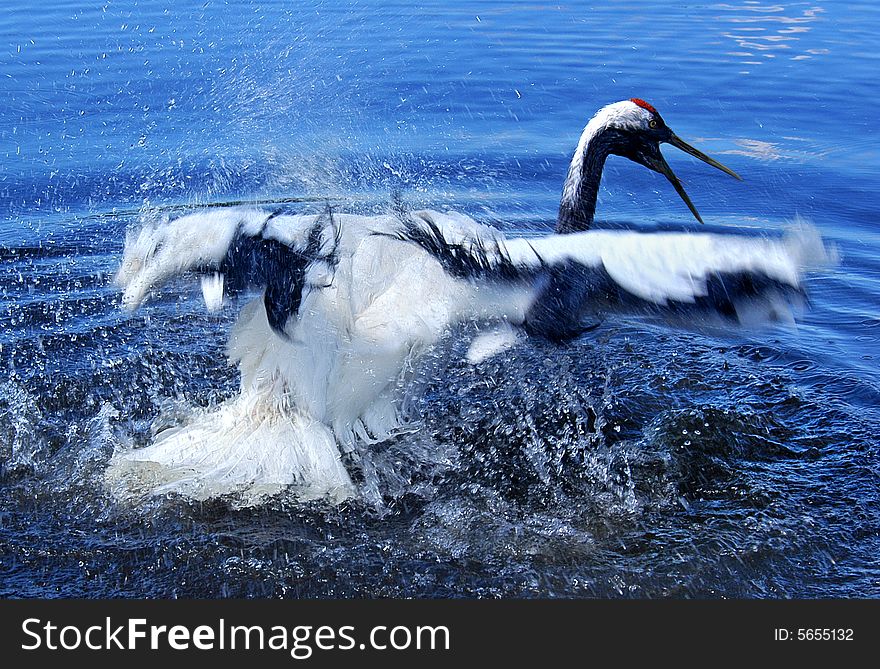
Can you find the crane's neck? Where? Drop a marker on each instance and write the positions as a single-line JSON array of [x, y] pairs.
[[581, 189]]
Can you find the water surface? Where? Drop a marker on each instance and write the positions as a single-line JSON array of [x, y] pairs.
[[638, 461]]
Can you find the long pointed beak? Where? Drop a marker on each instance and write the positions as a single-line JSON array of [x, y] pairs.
[[679, 143], [655, 160], [663, 168]]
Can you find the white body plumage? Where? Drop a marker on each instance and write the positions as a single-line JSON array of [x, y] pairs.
[[377, 291]]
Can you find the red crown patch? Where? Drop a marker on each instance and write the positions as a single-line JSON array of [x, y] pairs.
[[644, 105]]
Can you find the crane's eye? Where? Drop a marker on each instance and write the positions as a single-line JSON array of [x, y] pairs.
[[652, 123]]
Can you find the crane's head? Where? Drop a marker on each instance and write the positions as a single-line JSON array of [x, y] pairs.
[[639, 130]]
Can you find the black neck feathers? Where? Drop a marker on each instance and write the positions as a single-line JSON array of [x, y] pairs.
[[581, 190]]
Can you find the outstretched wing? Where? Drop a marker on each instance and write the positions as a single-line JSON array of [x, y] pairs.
[[577, 278], [232, 250], [553, 287]]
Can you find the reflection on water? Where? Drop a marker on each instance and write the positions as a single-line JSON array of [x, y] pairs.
[[763, 30]]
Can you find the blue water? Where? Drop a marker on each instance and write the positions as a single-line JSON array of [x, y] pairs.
[[637, 462]]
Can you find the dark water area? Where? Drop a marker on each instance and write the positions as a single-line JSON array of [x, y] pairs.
[[637, 461]]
